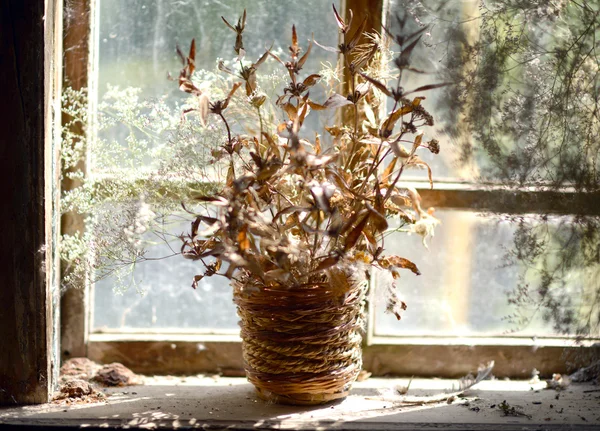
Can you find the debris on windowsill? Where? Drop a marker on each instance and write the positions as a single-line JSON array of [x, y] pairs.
[[79, 376], [535, 377], [363, 375], [77, 391], [402, 390], [464, 384], [558, 382], [508, 410], [117, 374], [78, 368], [587, 374]]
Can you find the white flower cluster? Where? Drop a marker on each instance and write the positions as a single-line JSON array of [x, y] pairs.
[[140, 225]]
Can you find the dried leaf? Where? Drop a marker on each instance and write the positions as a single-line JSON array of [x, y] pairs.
[[353, 40], [289, 210], [317, 145], [242, 238], [214, 200], [284, 130], [370, 115], [221, 66], [403, 59], [276, 58], [340, 22], [311, 80], [195, 226], [292, 221], [231, 92], [197, 278], [203, 108], [180, 55], [290, 110], [387, 172], [294, 47], [336, 101], [371, 242], [300, 120], [230, 177], [378, 220], [279, 275], [416, 161], [334, 131], [243, 20], [227, 24], [326, 48], [305, 56], [272, 145], [262, 59], [356, 232], [429, 87], [328, 262], [399, 262], [417, 142], [315, 106], [388, 125], [399, 150], [379, 85]]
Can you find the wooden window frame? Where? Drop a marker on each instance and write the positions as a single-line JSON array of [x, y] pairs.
[[191, 353], [30, 57]]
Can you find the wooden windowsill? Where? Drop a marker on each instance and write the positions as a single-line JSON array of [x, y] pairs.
[[220, 403]]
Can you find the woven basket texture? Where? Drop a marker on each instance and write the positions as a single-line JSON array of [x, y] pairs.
[[302, 344]]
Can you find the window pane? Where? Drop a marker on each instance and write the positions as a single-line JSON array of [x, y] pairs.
[[164, 299], [446, 19], [504, 117], [138, 38], [137, 41], [467, 279]]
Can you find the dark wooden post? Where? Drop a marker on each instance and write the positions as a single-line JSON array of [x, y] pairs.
[[28, 49]]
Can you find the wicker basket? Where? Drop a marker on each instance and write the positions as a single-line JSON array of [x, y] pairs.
[[302, 345]]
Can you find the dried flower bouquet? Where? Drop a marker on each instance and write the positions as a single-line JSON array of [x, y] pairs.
[[299, 224]]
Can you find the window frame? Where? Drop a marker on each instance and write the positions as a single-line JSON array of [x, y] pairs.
[[31, 55], [180, 352]]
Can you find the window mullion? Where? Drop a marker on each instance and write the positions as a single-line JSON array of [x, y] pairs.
[[78, 69], [374, 24]]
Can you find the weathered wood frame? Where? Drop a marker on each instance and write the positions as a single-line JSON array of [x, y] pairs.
[[170, 353], [78, 64], [30, 48]]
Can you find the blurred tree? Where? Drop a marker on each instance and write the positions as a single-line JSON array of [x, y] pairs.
[[525, 111]]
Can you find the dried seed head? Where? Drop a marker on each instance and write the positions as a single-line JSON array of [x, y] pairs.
[[434, 146]]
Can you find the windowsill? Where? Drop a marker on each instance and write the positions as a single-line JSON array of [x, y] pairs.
[[233, 336], [215, 403]]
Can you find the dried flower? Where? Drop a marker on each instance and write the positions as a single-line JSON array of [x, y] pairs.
[[291, 211]]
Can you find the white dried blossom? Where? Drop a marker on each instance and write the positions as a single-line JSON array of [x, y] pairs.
[[140, 225]]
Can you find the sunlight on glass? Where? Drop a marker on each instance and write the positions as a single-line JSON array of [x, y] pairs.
[[468, 281]]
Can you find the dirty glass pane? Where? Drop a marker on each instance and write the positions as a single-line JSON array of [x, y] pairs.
[[430, 55], [158, 295], [499, 58], [137, 41], [467, 278]]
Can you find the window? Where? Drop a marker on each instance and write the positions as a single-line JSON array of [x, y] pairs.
[[461, 298]]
